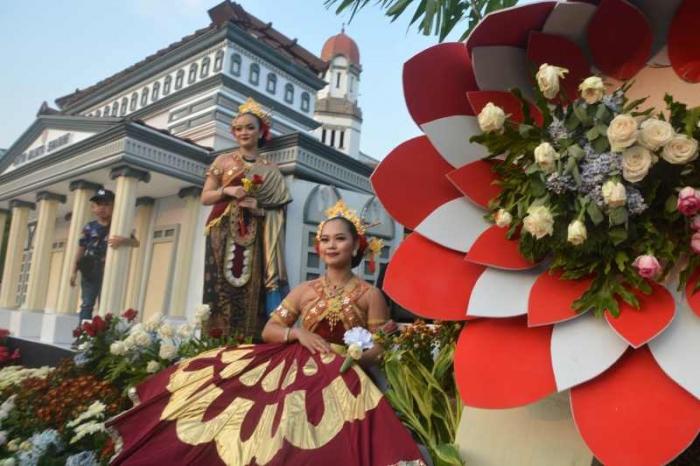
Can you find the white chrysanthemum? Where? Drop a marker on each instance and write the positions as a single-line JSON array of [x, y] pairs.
[[167, 351], [166, 330], [152, 367], [360, 336]]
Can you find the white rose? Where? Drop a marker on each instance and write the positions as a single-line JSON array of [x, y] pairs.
[[622, 132], [614, 194], [654, 133], [576, 233], [136, 328], [548, 78], [153, 323], [201, 312], [491, 118], [142, 338], [185, 331], [118, 348], [539, 221], [129, 342], [592, 89], [166, 330], [152, 367], [546, 157], [167, 351], [680, 149], [503, 218], [636, 162]]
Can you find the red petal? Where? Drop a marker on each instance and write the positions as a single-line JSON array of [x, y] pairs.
[[634, 415], [477, 181], [551, 299], [620, 39], [435, 80], [638, 326], [510, 26], [430, 280], [683, 39], [501, 363], [560, 51], [492, 248], [507, 101], [411, 181], [693, 297]]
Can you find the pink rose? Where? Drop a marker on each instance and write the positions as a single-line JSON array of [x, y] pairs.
[[647, 266], [688, 201], [695, 242]]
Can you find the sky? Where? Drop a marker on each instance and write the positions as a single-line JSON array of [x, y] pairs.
[[49, 48]]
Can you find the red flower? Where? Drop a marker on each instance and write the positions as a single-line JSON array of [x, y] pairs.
[[99, 324], [77, 332], [130, 314], [215, 332], [4, 333], [89, 329], [257, 179], [4, 353]]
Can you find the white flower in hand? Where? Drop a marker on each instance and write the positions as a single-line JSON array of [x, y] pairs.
[[548, 78], [360, 336]]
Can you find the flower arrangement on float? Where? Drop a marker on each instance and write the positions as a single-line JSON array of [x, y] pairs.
[[600, 186]]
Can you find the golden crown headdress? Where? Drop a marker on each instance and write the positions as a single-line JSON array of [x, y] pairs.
[[251, 106], [340, 209]]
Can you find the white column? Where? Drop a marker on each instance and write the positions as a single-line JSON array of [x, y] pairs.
[[142, 225], [38, 282], [4, 215], [68, 295], [15, 250], [117, 261], [183, 260]]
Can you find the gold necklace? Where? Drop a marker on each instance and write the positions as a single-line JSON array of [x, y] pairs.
[[335, 299]]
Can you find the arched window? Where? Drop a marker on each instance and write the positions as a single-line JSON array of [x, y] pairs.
[[236, 64], [218, 61], [124, 106], [156, 91], [254, 76], [289, 93], [98, 113], [271, 83], [166, 84], [144, 97], [337, 79], [193, 73], [305, 102], [179, 77], [106, 111], [134, 101], [204, 72], [115, 109]]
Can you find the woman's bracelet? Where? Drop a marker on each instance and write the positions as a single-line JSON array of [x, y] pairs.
[[287, 331]]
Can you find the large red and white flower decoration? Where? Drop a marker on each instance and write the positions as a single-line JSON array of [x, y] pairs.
[[634, 380]]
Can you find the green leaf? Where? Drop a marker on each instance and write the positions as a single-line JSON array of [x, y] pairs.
[[617, 216], [621, 259], [617, 235], [592, 134], [601, 144], [671, 204], [594, 213], [576, 151], [446, 454]]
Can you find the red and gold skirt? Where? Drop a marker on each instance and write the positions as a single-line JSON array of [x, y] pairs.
[[269, 404]]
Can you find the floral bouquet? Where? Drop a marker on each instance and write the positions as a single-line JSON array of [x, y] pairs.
[[357, 339], [252, 184], [603, 189]]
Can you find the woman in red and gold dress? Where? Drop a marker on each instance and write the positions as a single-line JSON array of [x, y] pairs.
[[285, 402]]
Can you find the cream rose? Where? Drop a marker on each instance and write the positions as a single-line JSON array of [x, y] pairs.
[[167, 351], [546, 157], [118, 348], [654, 133], [636, 162], [576, 232], [539, 221], [680, 149], [548, 78], [491, 118], [614, 194], [503, 218], [141, 338], [152, 367], [622, 132], [166, 330], [592, 89]]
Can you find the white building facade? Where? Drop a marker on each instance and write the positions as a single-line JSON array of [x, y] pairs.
[[149, 133]]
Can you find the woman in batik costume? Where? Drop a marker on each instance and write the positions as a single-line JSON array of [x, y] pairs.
[[285, 402], [244, 272]]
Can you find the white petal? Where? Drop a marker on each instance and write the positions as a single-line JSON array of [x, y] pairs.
[[570, 20], [677, 350], [502, 293], [502, 68], [582, 349], [450, 136], [456, 224]]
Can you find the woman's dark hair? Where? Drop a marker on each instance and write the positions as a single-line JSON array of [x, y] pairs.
[[361, 243], [261, 139]]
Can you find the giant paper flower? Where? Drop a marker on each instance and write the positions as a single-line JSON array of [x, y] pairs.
[[634, 380]]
